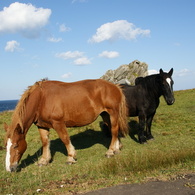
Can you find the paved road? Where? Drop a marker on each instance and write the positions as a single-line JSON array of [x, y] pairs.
[[184, 186]]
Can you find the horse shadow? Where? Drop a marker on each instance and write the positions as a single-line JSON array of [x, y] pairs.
[[133, 130], [82, 140]]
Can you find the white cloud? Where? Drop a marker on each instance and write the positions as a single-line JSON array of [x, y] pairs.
[[12, 46], [64, 28], [184, 79], [183, 72], [69, 55], [67, 75], [82, 61], [79, 58], [24, 19], [109, 54], [54, 40], [120, 29], [150, 72]]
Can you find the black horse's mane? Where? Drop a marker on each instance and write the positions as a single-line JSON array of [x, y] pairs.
[[148, 79], [151, 82]]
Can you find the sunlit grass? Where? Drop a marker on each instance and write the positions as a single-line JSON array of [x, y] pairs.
[[172, 152]]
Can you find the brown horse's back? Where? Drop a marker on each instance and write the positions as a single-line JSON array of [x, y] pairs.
[[78, 103]]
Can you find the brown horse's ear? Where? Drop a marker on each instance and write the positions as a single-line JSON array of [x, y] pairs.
[[18, 129], [6, 127], [161, 71], [170, 72]]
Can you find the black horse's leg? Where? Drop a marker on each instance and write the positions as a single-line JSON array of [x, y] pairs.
[[142, 123], [148, 127], [106, 126]]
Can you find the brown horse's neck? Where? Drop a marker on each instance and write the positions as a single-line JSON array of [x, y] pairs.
[[27, 108]]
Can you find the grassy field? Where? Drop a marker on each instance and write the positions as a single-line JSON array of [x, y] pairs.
[[170, 154]]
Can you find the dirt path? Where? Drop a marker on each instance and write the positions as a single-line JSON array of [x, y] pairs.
[[183, 186]]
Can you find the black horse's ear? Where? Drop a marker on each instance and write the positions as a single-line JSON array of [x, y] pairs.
[[161, 71], [170, 72]]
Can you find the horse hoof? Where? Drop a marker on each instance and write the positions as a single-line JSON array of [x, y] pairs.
[[43, 162], [71, 161], [40, 164], [143, 142], [149, 137], [109, 154], [116, 151]]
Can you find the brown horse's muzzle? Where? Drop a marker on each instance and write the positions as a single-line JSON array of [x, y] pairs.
[[13, 168]]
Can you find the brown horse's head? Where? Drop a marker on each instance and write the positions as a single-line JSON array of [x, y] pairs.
[[15, 145]]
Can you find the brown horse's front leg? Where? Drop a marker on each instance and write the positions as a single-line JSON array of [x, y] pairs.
[[71, 154], [62, 132], [46, 156]]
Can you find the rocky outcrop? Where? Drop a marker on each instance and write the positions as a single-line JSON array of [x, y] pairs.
[[127, 73]]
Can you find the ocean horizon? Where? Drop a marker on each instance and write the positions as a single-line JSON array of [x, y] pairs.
[[7, 105]]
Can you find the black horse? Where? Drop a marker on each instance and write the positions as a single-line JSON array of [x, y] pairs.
[[143, 99]]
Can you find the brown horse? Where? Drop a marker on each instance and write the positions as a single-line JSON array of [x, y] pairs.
[[58, 105]]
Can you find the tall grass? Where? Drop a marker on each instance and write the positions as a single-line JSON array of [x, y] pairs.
[[171, 153]]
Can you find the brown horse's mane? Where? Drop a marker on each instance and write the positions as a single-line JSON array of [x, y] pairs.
[[20, 110]]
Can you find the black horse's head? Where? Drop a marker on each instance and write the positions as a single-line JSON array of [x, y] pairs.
[[166, 83]]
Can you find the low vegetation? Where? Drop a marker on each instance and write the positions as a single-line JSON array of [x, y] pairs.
[[170, 154]]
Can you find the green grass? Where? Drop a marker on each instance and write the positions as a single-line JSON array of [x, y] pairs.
[[172, 152]]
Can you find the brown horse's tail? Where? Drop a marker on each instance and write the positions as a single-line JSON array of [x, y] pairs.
[[123, 110]]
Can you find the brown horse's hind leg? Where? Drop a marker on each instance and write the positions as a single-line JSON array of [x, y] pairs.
[[62, 132], [115, 144], [46, 156]]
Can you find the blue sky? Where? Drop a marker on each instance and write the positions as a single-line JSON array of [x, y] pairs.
[[70, 40]]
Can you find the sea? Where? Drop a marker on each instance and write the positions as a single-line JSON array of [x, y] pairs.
[[7, 105]]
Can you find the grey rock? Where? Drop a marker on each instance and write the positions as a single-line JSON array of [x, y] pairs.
[[127, 73]]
